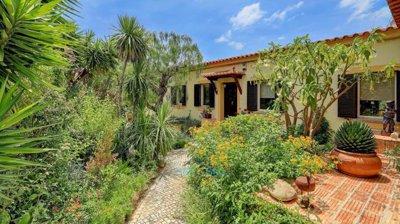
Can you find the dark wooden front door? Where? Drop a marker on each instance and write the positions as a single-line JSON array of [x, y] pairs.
[[230, 100]]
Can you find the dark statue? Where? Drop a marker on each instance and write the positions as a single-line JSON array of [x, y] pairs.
[[388, 117]]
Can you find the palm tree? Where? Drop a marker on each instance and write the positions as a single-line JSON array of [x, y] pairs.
[[93, 55], [130, 42]]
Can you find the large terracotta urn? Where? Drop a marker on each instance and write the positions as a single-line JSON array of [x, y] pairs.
[[357, 164]]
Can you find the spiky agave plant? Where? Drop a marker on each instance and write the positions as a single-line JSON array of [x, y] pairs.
[[356, 137]]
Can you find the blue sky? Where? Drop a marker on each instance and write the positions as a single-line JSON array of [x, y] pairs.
[[225, 28]]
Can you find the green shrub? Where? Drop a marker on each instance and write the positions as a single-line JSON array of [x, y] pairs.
[[92, 119], [196, 209], [323, 134], [146, 139], [180, 141], [357, 137], [77, 124], [93, 116], [234, 158], [112, 201], [185, 123], [46, 191]]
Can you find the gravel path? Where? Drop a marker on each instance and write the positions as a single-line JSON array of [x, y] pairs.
[[162, 202]]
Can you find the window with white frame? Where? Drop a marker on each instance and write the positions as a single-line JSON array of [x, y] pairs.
[[267, 96], [373, 101]]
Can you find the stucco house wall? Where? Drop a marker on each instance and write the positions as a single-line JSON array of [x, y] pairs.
[[387, 52]]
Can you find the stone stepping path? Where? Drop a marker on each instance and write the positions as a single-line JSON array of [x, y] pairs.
[[162, 202]]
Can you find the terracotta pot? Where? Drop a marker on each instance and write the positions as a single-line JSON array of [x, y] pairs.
[[207, 116], [358, 164], [306, 184]]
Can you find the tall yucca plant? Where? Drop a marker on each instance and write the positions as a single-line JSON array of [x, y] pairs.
[[129, 39], [164, 131], [31, 36], [137, 87], [13, 141]]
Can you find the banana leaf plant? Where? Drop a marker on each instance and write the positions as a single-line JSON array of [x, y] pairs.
[[14, 141]]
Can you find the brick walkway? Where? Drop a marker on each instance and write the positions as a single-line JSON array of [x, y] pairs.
[[341, 199], [161, 204]]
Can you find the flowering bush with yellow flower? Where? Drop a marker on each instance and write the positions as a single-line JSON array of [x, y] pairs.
[[234, 158]]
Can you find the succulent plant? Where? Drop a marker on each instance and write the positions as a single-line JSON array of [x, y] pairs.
[[357, 137]]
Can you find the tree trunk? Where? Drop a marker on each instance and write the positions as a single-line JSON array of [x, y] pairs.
[[79, 73], [121, 86], [163, 87]]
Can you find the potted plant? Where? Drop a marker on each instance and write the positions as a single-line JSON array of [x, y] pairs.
[[355, 150], [206, 113]]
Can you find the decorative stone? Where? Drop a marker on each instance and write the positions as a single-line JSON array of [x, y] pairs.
[[282, 191]]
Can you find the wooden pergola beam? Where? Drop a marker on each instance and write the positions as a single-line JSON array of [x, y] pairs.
[[238, 85], [213, 85]]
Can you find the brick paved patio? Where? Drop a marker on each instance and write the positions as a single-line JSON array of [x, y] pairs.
[[341, 199]]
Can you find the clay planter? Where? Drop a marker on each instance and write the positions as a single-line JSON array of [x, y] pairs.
[[306, 184], [207, 116], [358, 164]]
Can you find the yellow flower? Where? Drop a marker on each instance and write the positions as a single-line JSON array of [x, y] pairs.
[[293, 160], [213, 161]]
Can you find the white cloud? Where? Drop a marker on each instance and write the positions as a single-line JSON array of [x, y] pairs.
[[359, 8], [227, 38], [281, 14], [362, 10], [236, 45], [383, 12], [224, 37], [247, 16], [281, 38]]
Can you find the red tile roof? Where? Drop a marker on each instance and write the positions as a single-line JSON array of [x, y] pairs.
[[232, 58], [330, 40], [223, 74], [366, 33], [394, 6]]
